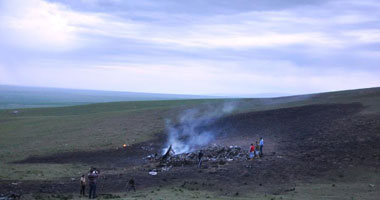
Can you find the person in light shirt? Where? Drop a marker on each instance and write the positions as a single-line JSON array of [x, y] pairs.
[[261, 146], [82, 185]]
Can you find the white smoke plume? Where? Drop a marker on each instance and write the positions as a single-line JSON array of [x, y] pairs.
[[189, 131]]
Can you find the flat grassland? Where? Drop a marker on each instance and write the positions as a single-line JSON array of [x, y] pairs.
[[344, 123]]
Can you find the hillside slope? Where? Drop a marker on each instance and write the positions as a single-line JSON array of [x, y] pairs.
[[12, 97], [312, 142]]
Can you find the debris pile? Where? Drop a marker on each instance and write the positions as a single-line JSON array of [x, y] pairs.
[[214, 153]]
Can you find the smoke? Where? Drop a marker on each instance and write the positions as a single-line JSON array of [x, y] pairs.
[[190, 132]]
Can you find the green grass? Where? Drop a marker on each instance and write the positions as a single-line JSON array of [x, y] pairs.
[[46, 131], [37, 131]]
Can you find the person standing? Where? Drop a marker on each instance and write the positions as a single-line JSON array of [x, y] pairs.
[[131, 185], [261, 146], [82, 185], [92, 176], [200, 156], [252, 152], [257, 149]]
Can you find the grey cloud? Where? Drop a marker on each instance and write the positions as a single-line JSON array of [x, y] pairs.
[[181, 33]]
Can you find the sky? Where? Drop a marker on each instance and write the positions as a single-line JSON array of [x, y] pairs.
[[204, 47]]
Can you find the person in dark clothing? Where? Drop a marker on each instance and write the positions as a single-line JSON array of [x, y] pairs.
[[131, 185], [82, 185], [257, 149], [92, 176], [200, 155]]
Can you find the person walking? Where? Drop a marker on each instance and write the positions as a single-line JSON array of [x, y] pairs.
[[261, 146], [92, 176], [252, 152], [82, 185], [131, 185], [200, 156]]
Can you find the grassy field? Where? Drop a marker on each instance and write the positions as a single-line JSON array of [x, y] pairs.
[[44, 131], [47, 131]]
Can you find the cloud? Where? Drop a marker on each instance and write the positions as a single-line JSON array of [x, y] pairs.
[[39, 24], [42, 25], [153, 46], [365, 35]]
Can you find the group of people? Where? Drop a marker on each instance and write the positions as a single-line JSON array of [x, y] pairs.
[[92, 176], [256, 150]]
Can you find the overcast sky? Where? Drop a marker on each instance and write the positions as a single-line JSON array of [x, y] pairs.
[[191, 47]]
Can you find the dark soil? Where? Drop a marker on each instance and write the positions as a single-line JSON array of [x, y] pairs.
[[301, 143], [131, 155]]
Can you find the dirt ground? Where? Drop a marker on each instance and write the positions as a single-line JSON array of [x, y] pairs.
[[301, 144]]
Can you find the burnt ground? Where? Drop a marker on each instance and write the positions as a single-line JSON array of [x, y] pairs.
[[301, 144]]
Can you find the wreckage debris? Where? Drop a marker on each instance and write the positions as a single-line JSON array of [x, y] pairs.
[[153, 173], [214, 154], [168, 153]]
